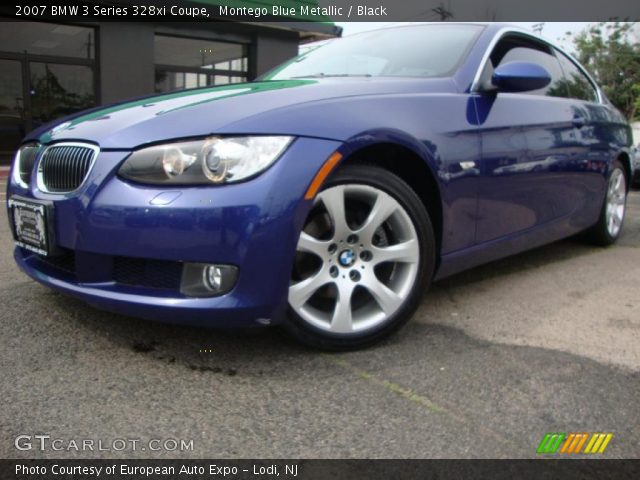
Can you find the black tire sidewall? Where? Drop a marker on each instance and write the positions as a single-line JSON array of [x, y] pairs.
[[393, 185]]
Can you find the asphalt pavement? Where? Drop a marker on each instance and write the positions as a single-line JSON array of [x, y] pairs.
[[495, 358]]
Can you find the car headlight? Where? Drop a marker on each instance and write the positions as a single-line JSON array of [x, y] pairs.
[[213, 160]]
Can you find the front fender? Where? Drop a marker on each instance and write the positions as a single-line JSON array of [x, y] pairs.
[[425, 150]]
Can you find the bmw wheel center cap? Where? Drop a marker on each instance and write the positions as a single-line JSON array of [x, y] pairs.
[[347, 258]]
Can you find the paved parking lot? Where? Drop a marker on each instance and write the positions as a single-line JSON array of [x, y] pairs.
[[495, 358]]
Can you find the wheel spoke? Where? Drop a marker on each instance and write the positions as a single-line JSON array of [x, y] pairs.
[[405, 252], [387, 299], [333, 201], [382, 209], [616, 197], [342, 319], [307, 243], [619, 214], [618, 183], [301, 292]]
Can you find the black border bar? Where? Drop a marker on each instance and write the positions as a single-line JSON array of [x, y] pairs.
[[323, 11], [326, 469]]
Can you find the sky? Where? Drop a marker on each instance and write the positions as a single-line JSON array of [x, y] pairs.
[[554, 31]]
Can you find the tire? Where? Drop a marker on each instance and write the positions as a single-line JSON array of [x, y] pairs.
[[609, 226], [358, 277]]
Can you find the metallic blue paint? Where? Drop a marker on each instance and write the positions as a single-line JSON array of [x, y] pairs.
[[254, 225], [520, 77], [513, 171]]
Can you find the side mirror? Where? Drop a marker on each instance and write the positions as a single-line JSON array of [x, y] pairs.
[[520, 77]]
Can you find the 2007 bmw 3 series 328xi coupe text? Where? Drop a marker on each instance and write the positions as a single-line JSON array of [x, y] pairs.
[[329, 194]]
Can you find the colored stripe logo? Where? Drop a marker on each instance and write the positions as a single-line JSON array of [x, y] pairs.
[[596, 443]]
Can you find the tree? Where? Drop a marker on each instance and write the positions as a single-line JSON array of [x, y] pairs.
[[612, 55]]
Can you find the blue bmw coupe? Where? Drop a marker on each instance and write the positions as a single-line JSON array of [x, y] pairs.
[[330, 193]]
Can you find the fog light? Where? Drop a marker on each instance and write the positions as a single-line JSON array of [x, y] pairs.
[[207, 280], [212, 277]]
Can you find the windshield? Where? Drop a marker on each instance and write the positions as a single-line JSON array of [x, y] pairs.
[[415, 51]]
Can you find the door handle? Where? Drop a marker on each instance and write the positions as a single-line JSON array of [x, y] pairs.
[[578, 121]]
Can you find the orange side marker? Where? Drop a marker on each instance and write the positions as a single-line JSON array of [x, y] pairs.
[[320, 177]]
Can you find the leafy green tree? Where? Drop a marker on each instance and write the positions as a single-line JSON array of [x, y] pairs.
[[611, 53]]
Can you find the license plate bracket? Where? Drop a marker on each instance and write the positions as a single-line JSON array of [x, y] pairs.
[[32, 224]]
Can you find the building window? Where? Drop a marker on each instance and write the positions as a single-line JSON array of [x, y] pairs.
[[50, 39], [47, 71], [58, 90], [191, 63]]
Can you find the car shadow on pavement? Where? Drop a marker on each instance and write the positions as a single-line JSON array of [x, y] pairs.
[[523, 262], [194, 347], [430, 390], [199, 349], [495, 400]]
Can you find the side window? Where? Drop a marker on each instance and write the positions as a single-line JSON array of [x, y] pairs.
[[577, 84], [512, 48]]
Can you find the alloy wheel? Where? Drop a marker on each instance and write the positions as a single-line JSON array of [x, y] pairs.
[[356, 262], [616, 197]]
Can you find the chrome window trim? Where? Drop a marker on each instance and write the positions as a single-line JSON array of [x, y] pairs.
[[40, 181], [475, 85]]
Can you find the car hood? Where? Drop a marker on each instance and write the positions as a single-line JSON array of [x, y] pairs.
[[216, 110]]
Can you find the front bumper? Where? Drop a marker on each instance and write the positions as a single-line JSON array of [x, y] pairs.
[[108, 223]]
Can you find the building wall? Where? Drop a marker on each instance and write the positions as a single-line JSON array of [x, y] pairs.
[[271, 51], [51, 70], [126, 60], [126, 52]]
